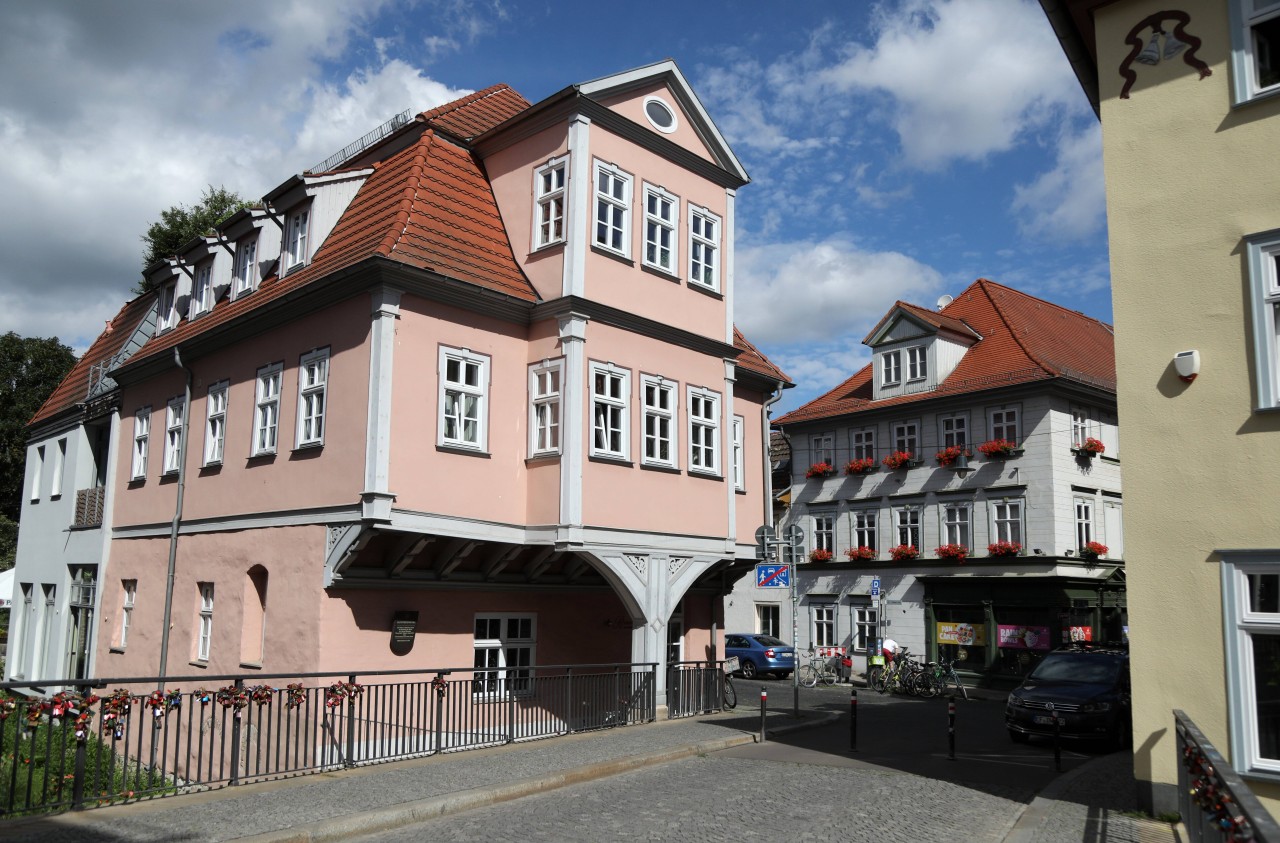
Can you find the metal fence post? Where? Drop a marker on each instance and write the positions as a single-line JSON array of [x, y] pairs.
[[235, 736], [853, 720], [349, 761]]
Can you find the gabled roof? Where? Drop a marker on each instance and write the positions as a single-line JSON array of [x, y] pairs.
[[475, 114], [754, 360], [933, 319], [1024, 339]]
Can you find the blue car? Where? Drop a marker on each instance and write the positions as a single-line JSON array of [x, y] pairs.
[[759, 653]]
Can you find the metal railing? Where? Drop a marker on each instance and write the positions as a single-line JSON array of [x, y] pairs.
[[1215, 803], [92, 746], [694, 688]]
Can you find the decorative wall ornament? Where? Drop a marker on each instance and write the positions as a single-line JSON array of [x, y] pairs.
[[639, 562], [334, 536], [676, 564], [1151, 52]]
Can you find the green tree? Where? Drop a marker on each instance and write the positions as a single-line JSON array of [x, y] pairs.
[[179, 224], [30, 369]]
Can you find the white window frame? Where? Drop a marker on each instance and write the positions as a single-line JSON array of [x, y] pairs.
[[297, 228], [452, 396], [824, 531], [906, 437], [956, 523], [174, 412], [313, 398], [167, 308], [953, 430], [864, 528], [865, 622], [1243, 626], [659, 424], [1083, 508], [704, 248], [739, 454], [245, 276], [550, 191], [266, 413], [1081, 428], [215, 424], [862, 443], [917, 363], [891, 368], [656, 225], [906, 526], [769, 619], [141, 442], [546, 390], [202, 289], [610, 412], [204, 633], [37, 479], [822, 617], [611, 218], [822, 448], [129, 597], [1263, 258], [59, 464], [497, 677], [1006, 521], [704, 430], [1001, 420], [1244, 82]]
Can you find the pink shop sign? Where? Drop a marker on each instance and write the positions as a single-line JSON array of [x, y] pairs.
[[1024, 637]]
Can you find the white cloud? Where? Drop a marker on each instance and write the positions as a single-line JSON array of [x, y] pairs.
[[1069, 201]]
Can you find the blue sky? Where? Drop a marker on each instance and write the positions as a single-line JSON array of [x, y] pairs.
[[897, 149]]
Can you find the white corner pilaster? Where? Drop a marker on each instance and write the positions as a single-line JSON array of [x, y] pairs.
[[731, 488], [578, 224], [729, 195], [384, 312], [573, 339]]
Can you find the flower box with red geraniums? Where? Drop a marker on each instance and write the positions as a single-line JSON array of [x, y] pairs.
[[861, 553], [899, 459], [820, 554], [904, 553], [866, 465], [951, 551], [950, 454], [999, 449], [1093, 550], [820, 469], [1004, 548], [1091, 448]]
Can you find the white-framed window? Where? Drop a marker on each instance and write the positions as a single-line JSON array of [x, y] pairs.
[[864, 528], [890, 368], [1079, 426], [864, 627], [1255, 42], [739, 464], [167, 308], [704, 248], [1113, 528], [1084, 521], [822, 448], [613, 209], [1251, 609], [906, 521], [173, 435], [128, 597], [245, 274], [1263, 258], [464, 405], [266, 415], [37, 474], [824, 624], [1006, 521], [704, 431], [202, 289], [610, 411], [862, 444], [658, 404], [955, 524], [1004, 424], [505, 648], [661, 220], [59, 463], [660, 115], [544, 407], [824, 533], [768, 619], [313, 386], [204, 634], [295, 238], [954, 431], [215, 425], [141, 438], [549, 193], [917, 363], [906, 437]]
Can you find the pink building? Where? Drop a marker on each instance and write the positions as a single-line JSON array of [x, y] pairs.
[[479, 376]]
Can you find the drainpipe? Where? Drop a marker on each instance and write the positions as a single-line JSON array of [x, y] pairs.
[[177, 521]]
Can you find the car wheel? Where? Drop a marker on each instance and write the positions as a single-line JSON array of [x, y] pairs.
[[748, 669], [1017, 737]]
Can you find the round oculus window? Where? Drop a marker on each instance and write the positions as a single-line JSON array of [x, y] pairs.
[[660, 114]]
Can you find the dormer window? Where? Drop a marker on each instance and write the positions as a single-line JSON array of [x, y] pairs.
[[917, 363], [202, 291], [295, 248], [166, 313], [246, 277], [891, 367], [549, 182]]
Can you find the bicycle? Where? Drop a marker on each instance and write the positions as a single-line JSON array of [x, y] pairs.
[[730, 696], [817, 670], [946, 674]]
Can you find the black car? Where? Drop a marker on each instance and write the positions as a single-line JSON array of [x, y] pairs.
[[1085, 687]]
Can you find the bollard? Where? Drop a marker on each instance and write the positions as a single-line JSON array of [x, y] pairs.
[[1057, 745], [853, 720], [951, 727], [764, 707]]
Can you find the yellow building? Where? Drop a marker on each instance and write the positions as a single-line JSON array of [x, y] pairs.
[[1189, 99]]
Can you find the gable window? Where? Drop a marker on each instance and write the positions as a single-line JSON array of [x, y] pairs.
[[1004, 424], [295, 239], [173, 436], [141, 435], [954, 431], [1255, 47], [890, 368], [906, 437], [907, 522], [955, 524], [1084, 522], [739, 467], [59, 462], [246, 271], [202, 290], [129, 594], [215, 427], [1007, 521], [704, 431], [1251, 609], [658, 398], [704, 248], [266, 418], [1263, 256], [862, 444], [917, 363], [864, 528], [548, 223], [464, 406], [824, 532], [204, 635], [167, 312], [505, 646], [822, 448], [313, 381], [544, 408], [659, 114], [613, 204], [824, 624], [661, 216]]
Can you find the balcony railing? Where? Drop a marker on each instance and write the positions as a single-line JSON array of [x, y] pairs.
[[1215, 803], [89, 507]]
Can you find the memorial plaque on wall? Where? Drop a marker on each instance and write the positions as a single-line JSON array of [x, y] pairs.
[[403, 627]]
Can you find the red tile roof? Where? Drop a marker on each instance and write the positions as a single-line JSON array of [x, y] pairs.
[[1024, 339], [754, 360], [473, 115], [929, 317]]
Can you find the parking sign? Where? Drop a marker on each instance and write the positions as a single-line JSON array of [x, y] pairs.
[[875, 586]]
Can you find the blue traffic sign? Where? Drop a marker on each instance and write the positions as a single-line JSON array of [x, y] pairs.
[[773, 576], [875, 586]]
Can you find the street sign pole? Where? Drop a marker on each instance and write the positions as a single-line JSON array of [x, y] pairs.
[[795, 538]]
